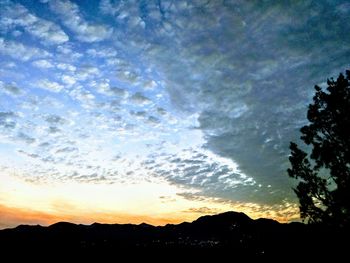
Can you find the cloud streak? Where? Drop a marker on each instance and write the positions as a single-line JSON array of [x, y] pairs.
[[72, 18], [10, 89], [17, 15], [21, 52]]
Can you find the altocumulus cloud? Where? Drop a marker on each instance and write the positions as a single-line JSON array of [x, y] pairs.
[[247, 69], [203, 94], [13, 15], [10, 89], [72, 18], [42, 63], [20, 51]]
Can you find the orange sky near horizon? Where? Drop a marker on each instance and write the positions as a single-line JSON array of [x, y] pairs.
[[24, 202]]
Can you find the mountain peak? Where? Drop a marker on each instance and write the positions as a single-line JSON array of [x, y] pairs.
[[232, 230], [228, 217]]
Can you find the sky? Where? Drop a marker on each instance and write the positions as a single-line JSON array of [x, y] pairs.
[[158, 111]]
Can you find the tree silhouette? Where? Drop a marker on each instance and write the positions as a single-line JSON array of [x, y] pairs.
[[324, 173]]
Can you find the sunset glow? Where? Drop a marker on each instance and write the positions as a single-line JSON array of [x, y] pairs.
[[157, 111]]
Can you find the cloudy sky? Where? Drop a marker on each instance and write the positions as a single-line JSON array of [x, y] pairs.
[[158, 111]]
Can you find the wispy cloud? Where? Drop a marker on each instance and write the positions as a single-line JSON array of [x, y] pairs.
[[203, 170], [68, 67], [10, 89], [43, 63], [23, 137], [21, 52], [17, 15], [49, 85], [73, 19], [140, 99], [8, 119]]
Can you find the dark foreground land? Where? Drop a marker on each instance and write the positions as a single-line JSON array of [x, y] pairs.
[[231, 232]]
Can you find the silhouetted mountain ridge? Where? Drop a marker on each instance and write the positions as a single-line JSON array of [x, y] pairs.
[[232, 231]]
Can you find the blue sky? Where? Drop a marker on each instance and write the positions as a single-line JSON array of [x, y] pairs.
[[200, 97]]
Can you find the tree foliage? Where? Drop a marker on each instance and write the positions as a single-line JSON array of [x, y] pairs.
[[324, 173]]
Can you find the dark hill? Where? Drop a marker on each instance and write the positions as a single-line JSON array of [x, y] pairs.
[[231, 231]]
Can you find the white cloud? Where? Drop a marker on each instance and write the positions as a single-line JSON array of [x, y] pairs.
[[152, 120], [201, 169], [84, 96], [128, 76], [42, 63], [86, 72], [149, 85], [49, 85], [48, 31], [66, 51], [140, 99], [69, 80], [72, 18], [55, 119], [102, 87], [64, 66], [31, 155], [102, 52], [119, 92], [20, 51], [108, 8], [8, 119], [17, 15], [10, 89], [23, 137], [10, 64], [127, 12]]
